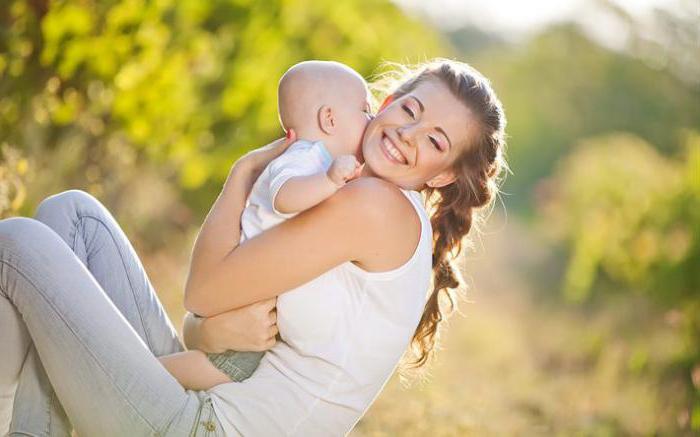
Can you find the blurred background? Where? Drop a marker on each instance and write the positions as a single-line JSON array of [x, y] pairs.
[[583, 312]]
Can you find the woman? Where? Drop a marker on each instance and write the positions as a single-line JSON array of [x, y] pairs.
[[440, 132]]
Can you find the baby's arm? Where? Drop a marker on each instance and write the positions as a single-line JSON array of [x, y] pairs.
[[193, 370], [302, 192]]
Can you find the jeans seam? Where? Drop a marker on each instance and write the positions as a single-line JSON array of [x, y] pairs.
[[80, 342], [163, 429], [147, 334], [148, 338], [51, 398]]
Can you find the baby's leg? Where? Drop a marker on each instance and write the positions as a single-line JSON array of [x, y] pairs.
[[238, 365], [193, 370]]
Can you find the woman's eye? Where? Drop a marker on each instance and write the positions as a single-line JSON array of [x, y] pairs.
[[408, 111], [435, 143]]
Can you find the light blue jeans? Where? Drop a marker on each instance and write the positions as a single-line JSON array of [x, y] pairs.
[[80, 330]]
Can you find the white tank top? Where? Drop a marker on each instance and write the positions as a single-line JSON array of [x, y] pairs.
[[344, 333]]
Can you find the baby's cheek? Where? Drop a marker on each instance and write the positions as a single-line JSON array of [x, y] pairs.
[[361, 131]]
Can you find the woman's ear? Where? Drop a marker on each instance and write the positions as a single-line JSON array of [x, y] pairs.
[[387, 102], [326, 120], [444, 178]]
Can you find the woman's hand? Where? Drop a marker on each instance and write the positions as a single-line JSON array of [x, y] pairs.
[[220, 233], [256, 160], [250, 328]]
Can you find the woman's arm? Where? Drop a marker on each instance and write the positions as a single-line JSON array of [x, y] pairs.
[[368, 221], [220, 232], [251, 328]]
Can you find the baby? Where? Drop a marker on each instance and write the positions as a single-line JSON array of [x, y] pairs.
[[324, 101]]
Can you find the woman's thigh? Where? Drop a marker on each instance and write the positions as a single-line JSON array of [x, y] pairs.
[[98, 241], [107, 379], [14, 344]]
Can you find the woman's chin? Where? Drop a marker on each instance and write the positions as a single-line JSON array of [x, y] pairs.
[[381, 173], [378, 165], [374, 167]]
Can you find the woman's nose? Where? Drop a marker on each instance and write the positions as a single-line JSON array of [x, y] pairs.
[[405, 135]]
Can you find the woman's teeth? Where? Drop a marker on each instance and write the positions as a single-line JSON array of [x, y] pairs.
[[393, 151]]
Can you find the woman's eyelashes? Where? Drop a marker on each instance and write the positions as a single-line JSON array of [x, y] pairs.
[[412, 114], [435, 143]]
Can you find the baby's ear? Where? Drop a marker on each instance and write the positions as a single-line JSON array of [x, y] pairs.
[[326, 120]]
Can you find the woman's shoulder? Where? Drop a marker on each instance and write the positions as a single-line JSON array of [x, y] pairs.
[[369, 188], [382, 216], [368, 206], [375, 196]]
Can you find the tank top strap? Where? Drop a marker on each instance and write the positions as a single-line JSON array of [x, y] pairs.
[[423, 248], [417, 201]]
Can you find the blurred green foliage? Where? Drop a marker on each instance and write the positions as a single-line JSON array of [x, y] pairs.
[[629, 213], [605, 156], [187, 84], [605, 153], [630, 219], [13, 171], [560, 87]]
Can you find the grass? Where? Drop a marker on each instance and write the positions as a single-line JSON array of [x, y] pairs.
[[519, 362]]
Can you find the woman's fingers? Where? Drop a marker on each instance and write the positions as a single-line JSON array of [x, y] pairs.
[[245, 329], [256, 160], [264, 328], [272, 329], [291, 137], [268, 309], [267, 304], [268, 339]]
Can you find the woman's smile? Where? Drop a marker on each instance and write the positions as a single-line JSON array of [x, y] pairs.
[[391, 152], [407, 143]]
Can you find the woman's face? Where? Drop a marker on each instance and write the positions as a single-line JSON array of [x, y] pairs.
[[414, 140]]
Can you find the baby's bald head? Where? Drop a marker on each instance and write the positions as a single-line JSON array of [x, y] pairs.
[[308, 85]]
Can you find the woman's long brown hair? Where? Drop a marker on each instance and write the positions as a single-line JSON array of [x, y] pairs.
[[454, 208]]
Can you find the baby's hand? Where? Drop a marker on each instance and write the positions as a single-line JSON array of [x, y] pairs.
[[343, 169]]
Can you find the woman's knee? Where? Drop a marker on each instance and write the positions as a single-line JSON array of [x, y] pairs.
[[64, 204], [18, 233]]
